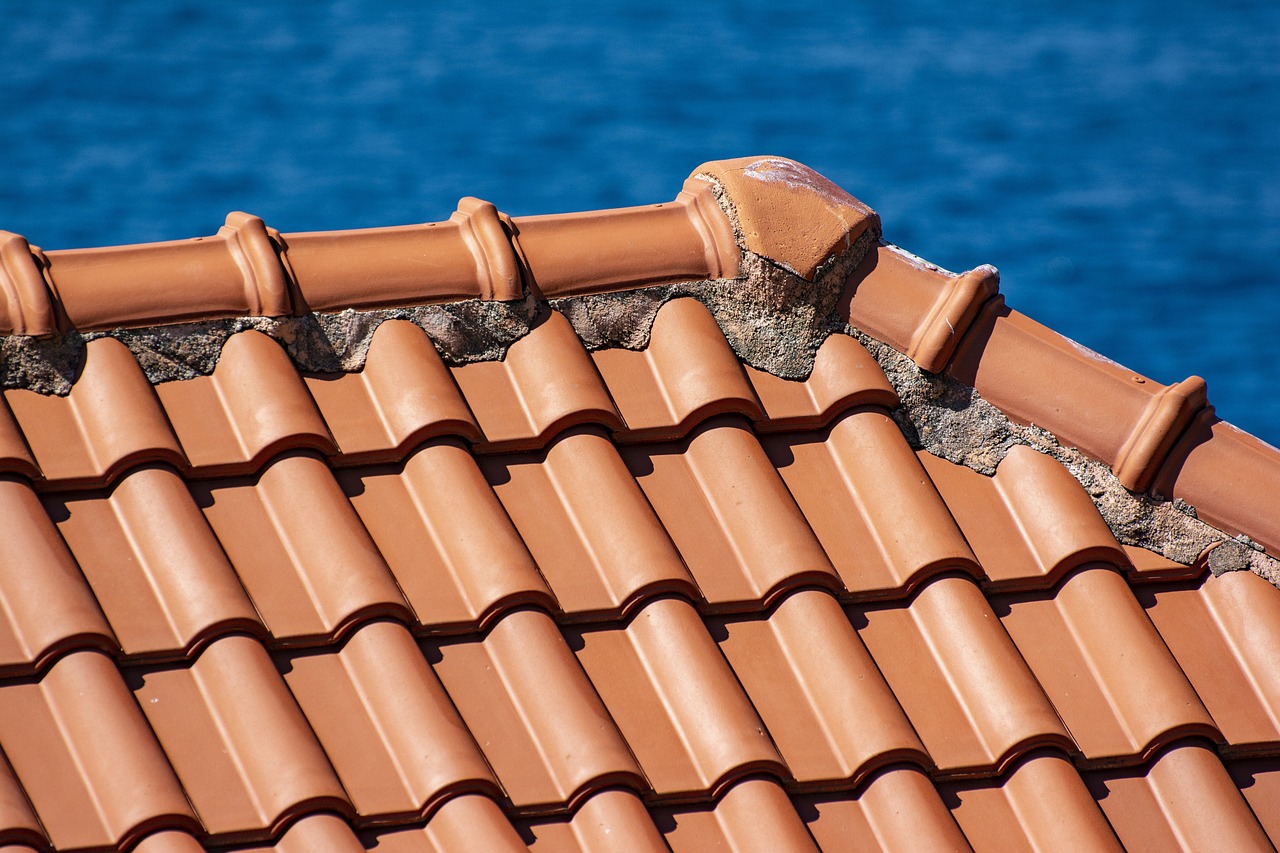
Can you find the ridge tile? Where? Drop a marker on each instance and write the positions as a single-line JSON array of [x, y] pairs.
[[386, 723], [817, 689], [449, 545], [403, 396], [300, 550], [245, 754], [769, 195], [153, 563], [960, 679], [594, 536], [252, 407], [230, 274], [891, 294], [533, 712], [546, 383], [725, 507], [110, 420], [686, 374], [83, 753], [675, 700], [1037, 376], [1095, 653], [1213, 465]]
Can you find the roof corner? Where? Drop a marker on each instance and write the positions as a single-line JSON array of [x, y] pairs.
[[786, 212]]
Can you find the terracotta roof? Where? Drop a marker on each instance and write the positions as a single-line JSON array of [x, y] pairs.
[[714, 524]]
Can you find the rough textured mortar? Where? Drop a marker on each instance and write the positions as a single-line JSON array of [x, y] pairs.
[[773, 319]]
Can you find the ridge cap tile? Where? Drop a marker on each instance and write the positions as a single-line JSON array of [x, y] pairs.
[[767, 194]]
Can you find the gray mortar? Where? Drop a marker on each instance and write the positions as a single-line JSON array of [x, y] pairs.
[[774, 320], [324, 342]]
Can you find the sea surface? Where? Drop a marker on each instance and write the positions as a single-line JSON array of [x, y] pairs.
[[1119, 162]]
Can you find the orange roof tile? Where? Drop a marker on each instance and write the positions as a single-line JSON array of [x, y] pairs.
[[711, 524]]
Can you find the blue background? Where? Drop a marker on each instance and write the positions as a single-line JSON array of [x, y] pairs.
[[1120, 163]]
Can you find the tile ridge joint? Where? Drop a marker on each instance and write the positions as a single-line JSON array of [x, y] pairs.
[[1165, 419], [951, 315], [29, 300]]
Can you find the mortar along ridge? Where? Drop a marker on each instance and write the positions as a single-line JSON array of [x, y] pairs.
[[774, 320]]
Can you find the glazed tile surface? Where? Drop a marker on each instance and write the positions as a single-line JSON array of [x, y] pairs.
[[652, 599]]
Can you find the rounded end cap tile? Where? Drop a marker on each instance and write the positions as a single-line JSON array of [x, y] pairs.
[[772, 197]]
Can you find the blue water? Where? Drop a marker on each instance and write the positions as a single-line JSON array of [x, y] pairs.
[[1119, 162]]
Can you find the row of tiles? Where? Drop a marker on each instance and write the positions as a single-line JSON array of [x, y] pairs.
[[250, 269], [385, 726], [584, 529], [1185, 799], [256, 404]]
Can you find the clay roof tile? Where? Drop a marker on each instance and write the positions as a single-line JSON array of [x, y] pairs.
[[712, 523]]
